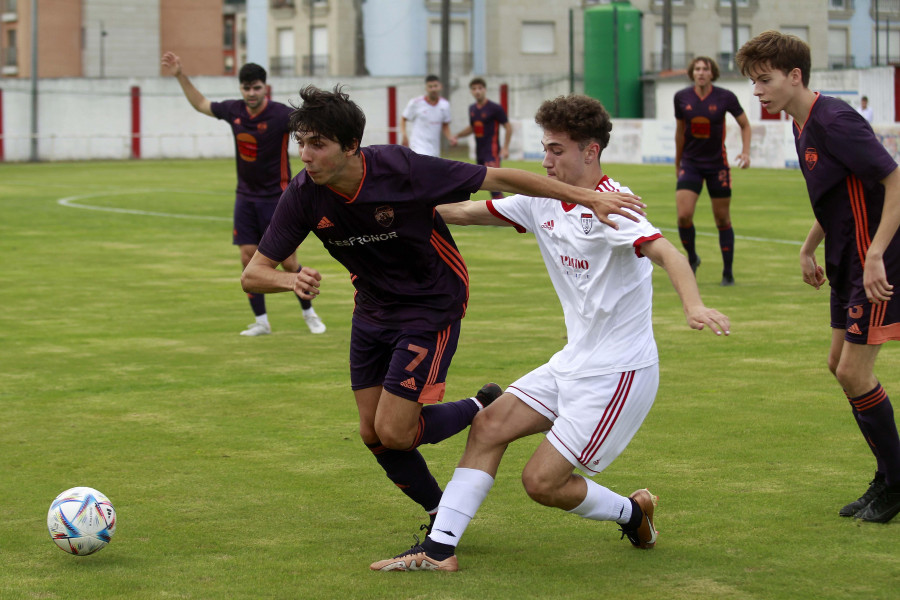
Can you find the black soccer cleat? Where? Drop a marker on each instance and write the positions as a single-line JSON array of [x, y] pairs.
[[694, 264], [882, 509], [487, 394], [876, 486], [727, 280]]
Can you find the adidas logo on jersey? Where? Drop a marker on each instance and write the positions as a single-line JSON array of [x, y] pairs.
[[410, 384], [324, 223], [548, 225], [854, 329]]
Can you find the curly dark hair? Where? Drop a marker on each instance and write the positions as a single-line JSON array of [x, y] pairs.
[[713, 67], [581, 117], [332, 115]]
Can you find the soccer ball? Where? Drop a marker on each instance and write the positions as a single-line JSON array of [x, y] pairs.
[[81, 520]]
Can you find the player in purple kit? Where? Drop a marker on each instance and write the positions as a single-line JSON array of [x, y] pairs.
[[700, 156], [854, 188], [374, 209], [261, 136], [485, 119]]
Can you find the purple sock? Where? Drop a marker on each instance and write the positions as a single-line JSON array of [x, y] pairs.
[[257, 303], [409, 472], [875, 414], [726, 244], [688, 235], [440, 421]]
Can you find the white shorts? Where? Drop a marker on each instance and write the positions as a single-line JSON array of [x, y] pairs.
[[594, 418]]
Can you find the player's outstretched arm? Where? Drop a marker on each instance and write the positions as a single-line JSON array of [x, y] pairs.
[[261, 276], [878, 288], [469, 212], [698, 316], [813, 274], [743, 159], [172, 64], [602, 204]]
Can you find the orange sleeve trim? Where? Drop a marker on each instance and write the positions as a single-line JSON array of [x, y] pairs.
[[285, 163]]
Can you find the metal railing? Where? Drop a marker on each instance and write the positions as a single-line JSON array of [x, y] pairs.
[[680, 60], [319, 64], [283, 66]]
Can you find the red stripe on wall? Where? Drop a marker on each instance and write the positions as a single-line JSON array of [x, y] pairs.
[[392, 114]]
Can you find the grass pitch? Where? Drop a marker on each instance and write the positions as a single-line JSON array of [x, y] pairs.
[[234, 463]]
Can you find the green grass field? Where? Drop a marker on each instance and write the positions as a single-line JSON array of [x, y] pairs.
[[234, 463]]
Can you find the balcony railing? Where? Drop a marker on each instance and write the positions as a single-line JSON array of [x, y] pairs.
[[283, 66], [319, 64], [680, 60], [840, 61], [460, 62]]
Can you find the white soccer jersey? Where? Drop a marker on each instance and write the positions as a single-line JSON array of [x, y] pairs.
[[426, 121], [602, 280]]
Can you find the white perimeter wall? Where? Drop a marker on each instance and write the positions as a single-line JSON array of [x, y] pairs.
[[83, 119]]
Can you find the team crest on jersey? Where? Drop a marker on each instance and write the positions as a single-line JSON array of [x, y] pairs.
[[587, 222], [237, 121], [384, 215], [812, 157], [262, 127], [713, 107]]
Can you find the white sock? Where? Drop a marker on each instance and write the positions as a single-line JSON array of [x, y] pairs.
[[459, 503], [309, 312], [602, 504], [263, 319]]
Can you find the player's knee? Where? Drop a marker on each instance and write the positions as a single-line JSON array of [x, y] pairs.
[[686, 221], [833, 361], [487, 429], [539, 488], [395, 438]]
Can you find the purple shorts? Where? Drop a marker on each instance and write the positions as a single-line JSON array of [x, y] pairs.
[[407, 363], [251, 219], [718, 179], [864, 322]]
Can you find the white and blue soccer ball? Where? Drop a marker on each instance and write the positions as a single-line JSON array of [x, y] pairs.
[[81, 520]]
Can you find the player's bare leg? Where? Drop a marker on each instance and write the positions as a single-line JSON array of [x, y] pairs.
[[722, 214], [549, 479], [685, 205]]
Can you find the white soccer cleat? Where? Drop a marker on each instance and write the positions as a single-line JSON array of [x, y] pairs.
[[255, 329], [314, 323]]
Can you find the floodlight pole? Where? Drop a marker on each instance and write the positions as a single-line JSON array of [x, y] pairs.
[[34, 81], [445, 45]]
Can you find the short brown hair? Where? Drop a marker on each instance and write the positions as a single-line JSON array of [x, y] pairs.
[[581, 117], [713, 66], [776, 50], [478, 81]]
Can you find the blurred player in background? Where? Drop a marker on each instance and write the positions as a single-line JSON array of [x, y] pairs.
[[261, 136], [373, 208], [428, 117], [485, 119], [700, 156], [854, 188], [593, 395]]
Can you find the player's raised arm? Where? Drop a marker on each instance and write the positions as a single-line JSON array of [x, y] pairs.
[[172, 63], [698, 316], [470, 212], [602, 204]]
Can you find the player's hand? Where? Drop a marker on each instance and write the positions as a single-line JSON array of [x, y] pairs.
[[813, 274], [742, 160], [306, 283], [875, 281], [504, 153], [604, 204], [171, 63], [701, 317], [453, 140]]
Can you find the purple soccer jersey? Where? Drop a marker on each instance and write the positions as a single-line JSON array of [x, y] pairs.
[[704, 119], [402, 260], [486, 121], [843, 163], [261, 147]]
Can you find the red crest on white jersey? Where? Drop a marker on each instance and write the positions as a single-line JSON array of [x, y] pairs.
[[587, 222]]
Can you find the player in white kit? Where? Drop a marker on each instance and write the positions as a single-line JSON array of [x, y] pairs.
[[593, 395], [429, 117]]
